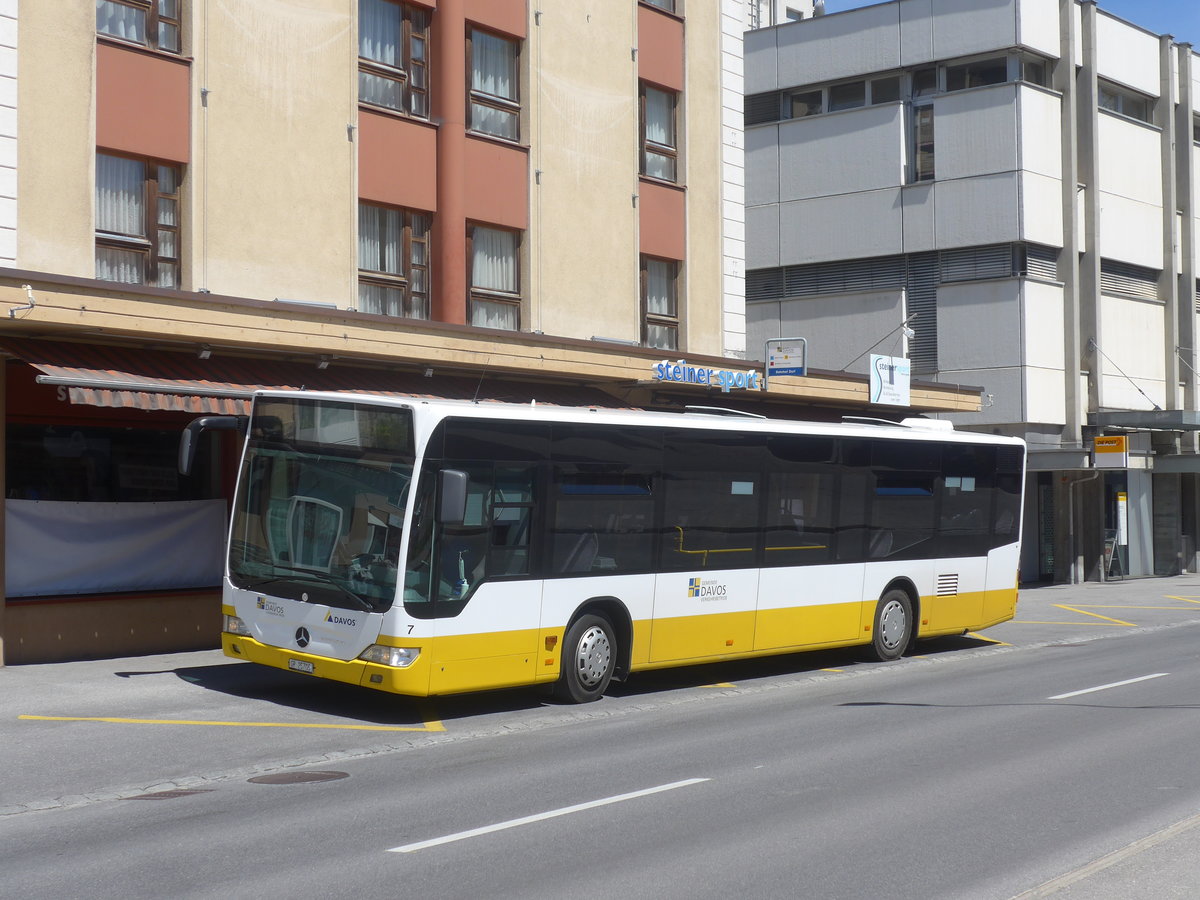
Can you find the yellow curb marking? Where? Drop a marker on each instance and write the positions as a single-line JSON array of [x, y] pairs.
[[833, 670], [429, 726], [1114, 606], [1084, 612], [980, 637], [722, 684], [1036, 622]]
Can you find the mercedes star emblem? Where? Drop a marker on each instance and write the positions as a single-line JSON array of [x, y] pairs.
[[302, 637]]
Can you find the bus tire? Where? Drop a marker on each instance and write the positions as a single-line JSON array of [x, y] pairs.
[[893, 625], [589, 655]]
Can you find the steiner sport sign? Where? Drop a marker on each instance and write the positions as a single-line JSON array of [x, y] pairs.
[[726, 379]]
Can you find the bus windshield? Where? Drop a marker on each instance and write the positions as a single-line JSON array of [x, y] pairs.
[[320, 503]]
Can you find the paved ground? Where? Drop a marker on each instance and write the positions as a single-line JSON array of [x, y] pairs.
[[1164, 864]]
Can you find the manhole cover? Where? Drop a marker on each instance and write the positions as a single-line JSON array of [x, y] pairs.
[[297, 777], [169, 795]]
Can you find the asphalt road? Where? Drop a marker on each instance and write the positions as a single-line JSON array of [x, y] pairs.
[[1049, 757]]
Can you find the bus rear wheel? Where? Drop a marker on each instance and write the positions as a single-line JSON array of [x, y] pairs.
[[588, 660], [893, 625]]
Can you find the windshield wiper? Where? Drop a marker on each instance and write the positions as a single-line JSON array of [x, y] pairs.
[[312, 578]]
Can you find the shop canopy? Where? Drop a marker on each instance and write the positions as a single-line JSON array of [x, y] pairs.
[[121, 376]]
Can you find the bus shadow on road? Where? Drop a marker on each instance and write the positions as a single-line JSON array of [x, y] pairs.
[[349, 702], [352, 704], [740, 673]]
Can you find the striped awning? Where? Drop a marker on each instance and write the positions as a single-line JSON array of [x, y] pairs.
[[116, 376]]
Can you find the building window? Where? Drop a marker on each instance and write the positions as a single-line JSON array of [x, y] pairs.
[[393, 63], [977, 74], [668, 5], [660, 152], [137, 221], [806, 103], [660, 303], [850, 95], [924, 82], [922, 118], [885, 90], [495, 278], [495, 86], [1035, 70], [393, 261], [1126, 103], [151, 23]]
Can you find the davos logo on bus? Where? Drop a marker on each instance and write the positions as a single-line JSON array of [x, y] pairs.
[[709, 590], [725, 379], [270, 607], [340, 620]]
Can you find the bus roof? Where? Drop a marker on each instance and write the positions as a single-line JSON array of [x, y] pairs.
[[437, 408]]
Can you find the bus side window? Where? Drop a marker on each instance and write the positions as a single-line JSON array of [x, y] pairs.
[[799, 518], [601, 520], [512, 512], [711, 520]]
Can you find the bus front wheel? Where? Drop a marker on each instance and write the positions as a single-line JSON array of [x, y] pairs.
[[893, 625], [588, 660]]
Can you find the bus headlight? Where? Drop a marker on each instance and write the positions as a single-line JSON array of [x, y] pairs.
[[234, 625], [397, 657]]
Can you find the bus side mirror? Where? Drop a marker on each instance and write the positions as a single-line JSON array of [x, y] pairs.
[[452, 489], [191, 435]]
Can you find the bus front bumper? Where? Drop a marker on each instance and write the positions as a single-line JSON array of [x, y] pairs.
[[412, 681]]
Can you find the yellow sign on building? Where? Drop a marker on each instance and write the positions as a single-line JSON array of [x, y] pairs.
[[1111, 452]]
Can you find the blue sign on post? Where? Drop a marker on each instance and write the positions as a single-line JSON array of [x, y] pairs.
[[785, 356]]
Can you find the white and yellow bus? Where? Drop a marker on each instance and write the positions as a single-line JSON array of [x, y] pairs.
[[432, 547]]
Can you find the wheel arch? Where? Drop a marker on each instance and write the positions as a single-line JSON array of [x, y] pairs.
[[618, 616]]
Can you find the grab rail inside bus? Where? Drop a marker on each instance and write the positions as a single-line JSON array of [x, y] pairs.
[[704, 554]]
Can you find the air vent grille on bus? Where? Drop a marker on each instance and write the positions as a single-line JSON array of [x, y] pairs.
[[947, 585]]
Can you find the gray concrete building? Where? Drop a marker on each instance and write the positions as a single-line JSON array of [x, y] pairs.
[[1004, 192]]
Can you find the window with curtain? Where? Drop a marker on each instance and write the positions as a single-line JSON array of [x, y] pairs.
[[151, 23], [137, 221], [495, 86], [393, 261], [495, 278], [393, 64], [660, 151], [660, 303]]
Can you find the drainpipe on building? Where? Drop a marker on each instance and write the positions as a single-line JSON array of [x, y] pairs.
[[1076, 562]]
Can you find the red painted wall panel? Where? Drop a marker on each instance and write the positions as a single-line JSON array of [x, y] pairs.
[[660, 48], [662, 220], [397, 161], [142, 103], [508, 16], [497, 184]]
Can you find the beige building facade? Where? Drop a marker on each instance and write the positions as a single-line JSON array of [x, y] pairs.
[[466, 198]]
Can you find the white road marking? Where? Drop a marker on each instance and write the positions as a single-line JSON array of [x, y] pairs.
[[1105, 687], [539, 817]]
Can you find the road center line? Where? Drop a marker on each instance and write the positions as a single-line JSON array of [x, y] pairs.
[[1105, 687], [539, 817]]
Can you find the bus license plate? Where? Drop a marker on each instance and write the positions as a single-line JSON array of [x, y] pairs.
[[300, 665]]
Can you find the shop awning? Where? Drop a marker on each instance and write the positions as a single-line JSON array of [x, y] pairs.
[[117, 376]]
